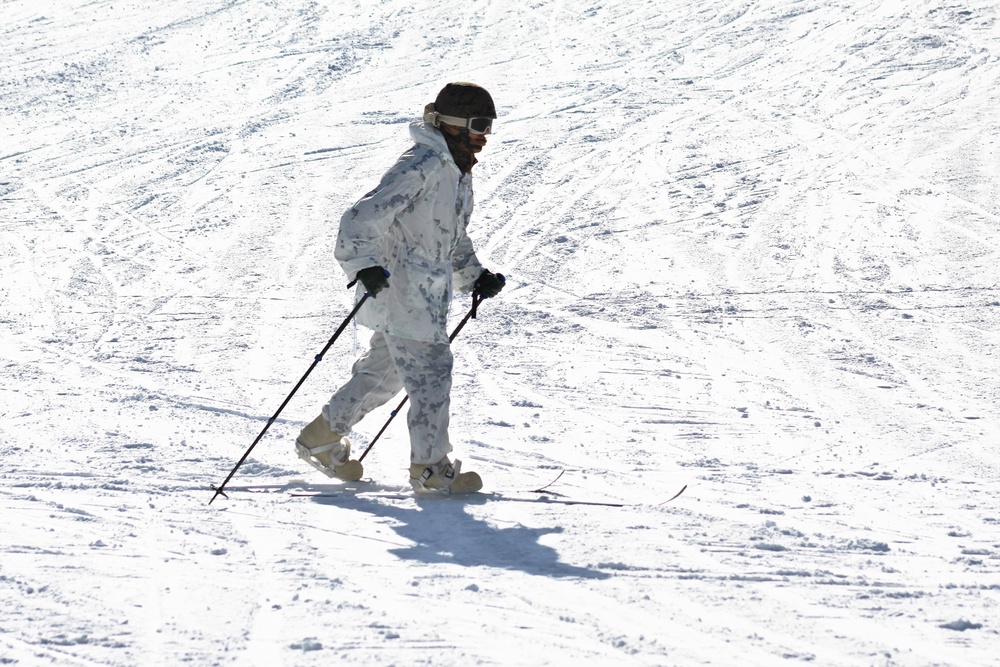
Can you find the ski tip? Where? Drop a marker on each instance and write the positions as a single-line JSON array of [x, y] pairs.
[[676, 495]]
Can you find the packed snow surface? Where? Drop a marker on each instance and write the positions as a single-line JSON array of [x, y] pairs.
[[752, 247]]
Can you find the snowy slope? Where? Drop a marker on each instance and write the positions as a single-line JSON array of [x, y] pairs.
[[751, 249]]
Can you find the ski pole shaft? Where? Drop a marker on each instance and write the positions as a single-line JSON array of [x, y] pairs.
[[476, 300], [392, 415], [219, 490]]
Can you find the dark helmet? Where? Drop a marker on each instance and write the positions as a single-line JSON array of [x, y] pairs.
[[465, 100]]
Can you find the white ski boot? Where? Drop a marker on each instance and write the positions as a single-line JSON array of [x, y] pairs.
[[443, 476], [328, 451]]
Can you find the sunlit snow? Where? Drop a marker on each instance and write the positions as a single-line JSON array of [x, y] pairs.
[[752, 248]]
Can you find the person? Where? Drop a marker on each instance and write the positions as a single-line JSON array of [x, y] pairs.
[[406, 243]]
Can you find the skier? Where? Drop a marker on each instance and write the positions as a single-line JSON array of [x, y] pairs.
[[406, 243]]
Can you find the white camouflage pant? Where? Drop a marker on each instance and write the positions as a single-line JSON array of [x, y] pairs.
[[390, 364]]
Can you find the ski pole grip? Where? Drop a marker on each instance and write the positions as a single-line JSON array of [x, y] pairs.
[[355, 281]]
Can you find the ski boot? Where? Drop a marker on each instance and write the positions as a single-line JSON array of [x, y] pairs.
[[328, 451], [443, 477]]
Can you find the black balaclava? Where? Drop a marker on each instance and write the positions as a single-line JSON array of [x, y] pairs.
[[463, 100], [461, 150]]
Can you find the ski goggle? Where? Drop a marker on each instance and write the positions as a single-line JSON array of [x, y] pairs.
[[475, 125]]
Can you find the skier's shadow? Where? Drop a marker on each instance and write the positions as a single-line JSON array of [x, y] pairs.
[[444, 532]]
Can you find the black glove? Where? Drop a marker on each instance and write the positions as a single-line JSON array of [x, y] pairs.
[[374, 278], [489, 284]]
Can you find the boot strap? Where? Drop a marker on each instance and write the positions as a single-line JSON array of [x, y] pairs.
[[341, 452], [448, 474]]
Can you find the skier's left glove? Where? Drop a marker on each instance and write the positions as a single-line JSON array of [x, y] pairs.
[[489, 284], [374, 278]]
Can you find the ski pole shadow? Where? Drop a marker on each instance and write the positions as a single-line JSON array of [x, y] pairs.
[[444, 532]]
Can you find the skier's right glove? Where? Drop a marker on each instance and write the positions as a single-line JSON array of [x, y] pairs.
[[489, 284], [374, 278]]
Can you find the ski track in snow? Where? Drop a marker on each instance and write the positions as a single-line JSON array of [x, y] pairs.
[[751, 249]]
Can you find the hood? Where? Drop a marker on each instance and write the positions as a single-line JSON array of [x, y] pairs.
[[459, 151], [428, 135]]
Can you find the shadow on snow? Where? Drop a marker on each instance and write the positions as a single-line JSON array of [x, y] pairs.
[[444, 532]]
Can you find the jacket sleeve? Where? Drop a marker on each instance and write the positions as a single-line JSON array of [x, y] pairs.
[[362, 227], [465, 265]]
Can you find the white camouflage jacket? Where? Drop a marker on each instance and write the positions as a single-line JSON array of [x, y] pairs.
[[413, 224]]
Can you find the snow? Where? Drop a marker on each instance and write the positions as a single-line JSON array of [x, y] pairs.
[[751, 248]]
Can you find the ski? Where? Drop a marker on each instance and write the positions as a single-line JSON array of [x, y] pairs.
[[301, 489], [477, 496], [544, 498]]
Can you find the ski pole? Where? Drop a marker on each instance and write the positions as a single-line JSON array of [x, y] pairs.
[[319, 357], [476, 300]]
